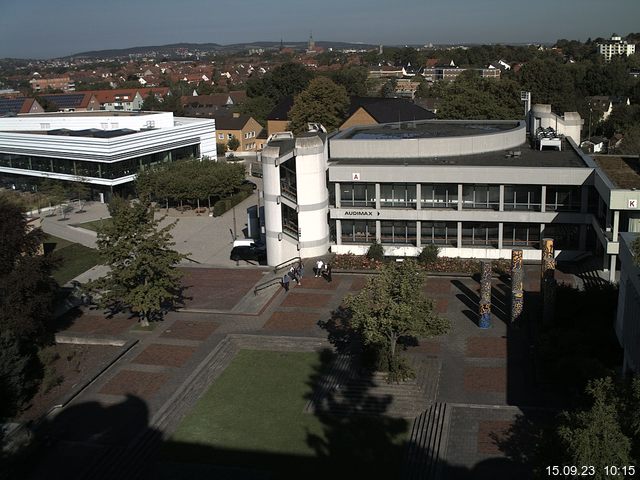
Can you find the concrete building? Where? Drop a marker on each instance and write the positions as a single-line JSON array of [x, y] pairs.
[[615, 46], [39, 84], [477, 189], [103, 149], [628, 315], [243, 127]]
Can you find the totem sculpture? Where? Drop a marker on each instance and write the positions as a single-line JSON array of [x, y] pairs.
[[517, 285], [485, 296], [548, 281]]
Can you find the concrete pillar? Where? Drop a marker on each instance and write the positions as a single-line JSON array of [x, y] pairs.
[[501, 206], [378, 233], [500, 233], [616, 225], [459, 239], [459, 196], [377, 196], [543, 199], [484, 308], [517, 285], [418, 196], [418, 233], [612, 269], [338, 232], [337, 193]]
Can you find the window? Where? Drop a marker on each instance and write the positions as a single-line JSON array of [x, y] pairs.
[[221, 136], [358, 195], [229, 136], [479, 234], [398, 195], [439, 195], [439, 233], [398, 232], [563, 199], [565, 237], [290, 221], [481, 196], [521, 235], [522, 197], [358, 231]]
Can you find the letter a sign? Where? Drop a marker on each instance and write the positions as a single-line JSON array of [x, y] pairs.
[[355, 177]]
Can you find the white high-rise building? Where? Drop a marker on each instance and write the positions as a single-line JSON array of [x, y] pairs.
[[616, 46]]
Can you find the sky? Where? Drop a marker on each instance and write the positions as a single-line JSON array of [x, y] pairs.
[[46, 28]]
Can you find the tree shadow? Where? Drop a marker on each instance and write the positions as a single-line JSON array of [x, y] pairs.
[[470, 299]]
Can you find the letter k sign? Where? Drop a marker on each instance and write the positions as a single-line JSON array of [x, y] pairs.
[[632, 203]]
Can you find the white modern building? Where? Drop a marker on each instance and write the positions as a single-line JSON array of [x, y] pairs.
[[477, 189], [615, 46], [104, 149]]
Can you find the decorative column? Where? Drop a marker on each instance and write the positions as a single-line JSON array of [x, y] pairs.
[[485, 295], [547, 280], [517, 285]]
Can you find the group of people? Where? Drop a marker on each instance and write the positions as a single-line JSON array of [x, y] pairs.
[[296, 273]]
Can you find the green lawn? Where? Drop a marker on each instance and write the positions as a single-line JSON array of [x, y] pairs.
[[75, 258], [252, 417], [93, 225]]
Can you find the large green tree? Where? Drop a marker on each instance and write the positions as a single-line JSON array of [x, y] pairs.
[[258, 108], [392, 305], [143, 276], [353, 79], [595, 436], [321, 102], [287, 79]]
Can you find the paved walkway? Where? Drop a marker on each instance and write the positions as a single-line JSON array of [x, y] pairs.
[[482, 375]]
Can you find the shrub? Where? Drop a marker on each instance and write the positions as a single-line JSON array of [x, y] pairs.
[[429, 254], [228, 203], [375, 252]]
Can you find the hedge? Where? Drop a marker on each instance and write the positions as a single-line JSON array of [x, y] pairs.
[[228, 203]]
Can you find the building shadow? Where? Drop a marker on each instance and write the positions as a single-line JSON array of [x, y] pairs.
[[470, 299]]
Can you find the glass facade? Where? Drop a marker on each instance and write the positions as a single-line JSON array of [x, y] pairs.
[[398, 195], [107, 170], [479, 234], [439, 233], [521, 235], [398, 232], [289, 221], [522, 197], [485, 197], [563, 199], [439, 195], [358, 195], [358, 231]]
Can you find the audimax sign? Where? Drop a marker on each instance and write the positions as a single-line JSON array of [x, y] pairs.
[[360, 213]]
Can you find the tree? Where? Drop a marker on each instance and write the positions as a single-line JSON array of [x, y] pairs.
[[321, 102], [353, 79], [233, 144], [631, 141], [594, 436], [287, 79], [635, 249], [392, 306], [80, 190], [143, 276], [258, 108]]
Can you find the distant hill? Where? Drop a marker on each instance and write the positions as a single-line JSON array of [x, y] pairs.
[[209, 47]]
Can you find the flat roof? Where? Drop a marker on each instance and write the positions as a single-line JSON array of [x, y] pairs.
[[93, 113], [529, 157], [428, 129], [624, 172]]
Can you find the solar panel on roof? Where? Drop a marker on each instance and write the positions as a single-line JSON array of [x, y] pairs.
[[10, 105], [70, 100]]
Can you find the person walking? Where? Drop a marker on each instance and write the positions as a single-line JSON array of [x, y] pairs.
[[300, 272], [319, 267], [293, 274], [285, 282]]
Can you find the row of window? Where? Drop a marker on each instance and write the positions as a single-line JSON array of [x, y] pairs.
[[474, 234], [83, 168], [516, 197]]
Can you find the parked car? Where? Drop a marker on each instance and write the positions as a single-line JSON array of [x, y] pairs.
[[248, 252]]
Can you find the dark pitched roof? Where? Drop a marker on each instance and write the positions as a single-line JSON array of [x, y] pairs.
[[229, 122], [67, 100], [386, 110], [13, 106]]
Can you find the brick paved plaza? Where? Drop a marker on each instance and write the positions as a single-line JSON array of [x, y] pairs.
[[482, 372]]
